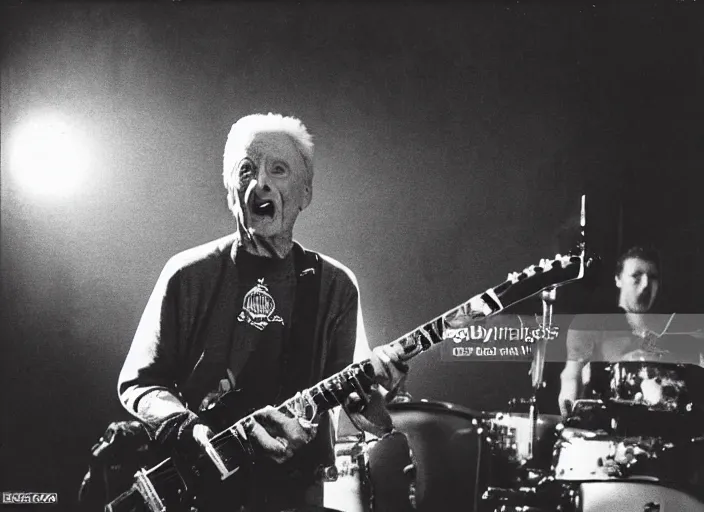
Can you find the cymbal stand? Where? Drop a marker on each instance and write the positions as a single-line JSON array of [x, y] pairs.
[[548, 298]]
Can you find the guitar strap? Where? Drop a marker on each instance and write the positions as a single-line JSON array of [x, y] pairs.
[[301, 364]]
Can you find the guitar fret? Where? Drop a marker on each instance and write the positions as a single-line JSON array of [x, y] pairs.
[[439, 330], [425, 339], [321, 397], [331, 391], [434, 330]]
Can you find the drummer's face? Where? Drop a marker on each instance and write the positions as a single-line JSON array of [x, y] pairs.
[[639, 282]]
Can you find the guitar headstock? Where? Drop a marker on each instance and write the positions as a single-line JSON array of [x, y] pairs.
[[548, 273], [555, 272]]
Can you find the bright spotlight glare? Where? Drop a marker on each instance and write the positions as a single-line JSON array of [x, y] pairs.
[[49, 156]]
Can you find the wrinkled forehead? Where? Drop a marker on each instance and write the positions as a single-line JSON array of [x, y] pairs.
[[640, 266], [272, 146]]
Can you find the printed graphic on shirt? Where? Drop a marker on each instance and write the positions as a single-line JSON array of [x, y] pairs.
[[258, 307]]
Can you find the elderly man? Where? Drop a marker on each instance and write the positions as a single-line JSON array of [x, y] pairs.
[[255, 311]]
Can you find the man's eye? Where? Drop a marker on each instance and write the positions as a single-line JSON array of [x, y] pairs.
[[279, 169], [246, 169]]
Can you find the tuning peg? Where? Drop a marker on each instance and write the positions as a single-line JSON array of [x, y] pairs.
[[513, 277], [565, 261]]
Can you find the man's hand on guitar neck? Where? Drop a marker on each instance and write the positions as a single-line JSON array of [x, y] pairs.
[[368, 410], [389, 370]]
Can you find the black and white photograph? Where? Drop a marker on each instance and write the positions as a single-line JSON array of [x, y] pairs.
[[395, 256]]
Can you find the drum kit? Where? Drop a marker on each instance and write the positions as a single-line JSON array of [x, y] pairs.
[[636, 444]]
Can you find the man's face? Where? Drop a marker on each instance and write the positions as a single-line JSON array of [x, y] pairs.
[[639, 282], [271, 185]]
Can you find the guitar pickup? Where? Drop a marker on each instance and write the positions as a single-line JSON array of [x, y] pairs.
[[218, 461]]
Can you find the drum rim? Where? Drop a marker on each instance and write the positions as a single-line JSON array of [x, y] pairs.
[[665, 364], [436, 406], [492, 414]]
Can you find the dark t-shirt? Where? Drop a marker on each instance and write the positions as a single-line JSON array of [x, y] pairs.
[[265, 301], [200, 315]]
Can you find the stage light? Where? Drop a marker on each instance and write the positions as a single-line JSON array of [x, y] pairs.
[[49, 156]]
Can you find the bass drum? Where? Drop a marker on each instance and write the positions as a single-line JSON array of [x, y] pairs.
[[441, 443]]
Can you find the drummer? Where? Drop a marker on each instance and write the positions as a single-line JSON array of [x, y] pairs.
[[635, 333]]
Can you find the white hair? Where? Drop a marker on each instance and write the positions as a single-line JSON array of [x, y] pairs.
[[245, 128]]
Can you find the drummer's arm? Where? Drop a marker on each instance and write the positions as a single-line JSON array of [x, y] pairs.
[[580, 347], [570, 379]]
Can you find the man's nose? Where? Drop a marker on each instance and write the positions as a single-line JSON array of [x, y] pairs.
[[263, 180]]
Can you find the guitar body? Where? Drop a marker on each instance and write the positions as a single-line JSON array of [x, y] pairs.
[[184, 484]]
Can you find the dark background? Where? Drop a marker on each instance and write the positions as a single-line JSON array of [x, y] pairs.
[[452, 146]]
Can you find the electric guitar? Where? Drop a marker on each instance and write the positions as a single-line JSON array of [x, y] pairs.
[[169, 486]]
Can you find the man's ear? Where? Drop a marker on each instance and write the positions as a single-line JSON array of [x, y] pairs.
[[307, 196]]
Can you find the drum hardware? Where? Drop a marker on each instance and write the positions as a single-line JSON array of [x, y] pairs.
[[590, 414], [594, 496], [548, 298], [582, 455], [651, 506], [350, 471], [548, 495], [657, 386], [410, 472], [515, 439], [352, 454], [513, 435]]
